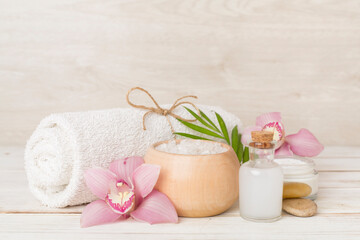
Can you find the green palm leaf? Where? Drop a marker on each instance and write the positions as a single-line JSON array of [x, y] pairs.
[[223, 128], [209, 121], [200, 129], [240, 150], [190, 136], [200, 119], [246, 155], [235, 139]]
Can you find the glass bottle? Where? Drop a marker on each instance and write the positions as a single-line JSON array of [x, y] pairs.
[[261, 181]]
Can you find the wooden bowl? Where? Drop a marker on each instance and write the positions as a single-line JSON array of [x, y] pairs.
[[198, 185]]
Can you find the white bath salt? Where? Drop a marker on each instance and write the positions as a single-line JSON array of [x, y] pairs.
[[191, 147]]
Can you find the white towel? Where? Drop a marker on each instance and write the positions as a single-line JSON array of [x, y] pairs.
[[65, 145]]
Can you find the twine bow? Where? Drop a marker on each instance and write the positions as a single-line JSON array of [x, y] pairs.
[[160, 110]]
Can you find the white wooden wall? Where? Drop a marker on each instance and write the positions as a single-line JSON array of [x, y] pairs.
[[298, 57]]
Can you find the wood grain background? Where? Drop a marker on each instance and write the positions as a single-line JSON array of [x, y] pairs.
[[298, 57]]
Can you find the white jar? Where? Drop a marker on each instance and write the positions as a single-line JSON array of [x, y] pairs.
[[300, 170]]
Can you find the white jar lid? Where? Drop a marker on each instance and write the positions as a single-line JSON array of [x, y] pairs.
[[294, 165]]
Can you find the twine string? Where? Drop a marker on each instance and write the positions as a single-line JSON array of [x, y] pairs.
[[159, 110]]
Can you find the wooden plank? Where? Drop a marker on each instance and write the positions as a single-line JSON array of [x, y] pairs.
[[40, 226], [338, 218], [339, 179], [349, 164], [337, 200], [339, 190], [332, 159], [329, 201], [12, 158], [339, 193], [76, 55], [15, 195], [340, 152]]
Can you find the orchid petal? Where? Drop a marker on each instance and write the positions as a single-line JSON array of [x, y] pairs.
[[246, 135], [98, 180], [96, 213], [156, 208], [304, 143], [277, 129], [266, 118], [284, 150], [145, 178], [121, 197], [124, 168]]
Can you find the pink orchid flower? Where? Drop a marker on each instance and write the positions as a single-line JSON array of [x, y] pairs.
[[126, 189], [303, 143]]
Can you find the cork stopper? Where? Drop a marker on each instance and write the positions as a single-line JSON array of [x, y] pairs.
[[262, 139], [262, 136]]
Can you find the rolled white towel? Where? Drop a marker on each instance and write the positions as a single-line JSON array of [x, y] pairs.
[[65, 145]]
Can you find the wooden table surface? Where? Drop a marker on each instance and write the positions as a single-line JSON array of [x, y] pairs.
[[22, 216]]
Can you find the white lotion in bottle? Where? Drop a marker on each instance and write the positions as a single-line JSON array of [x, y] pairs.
[[261, 181]]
